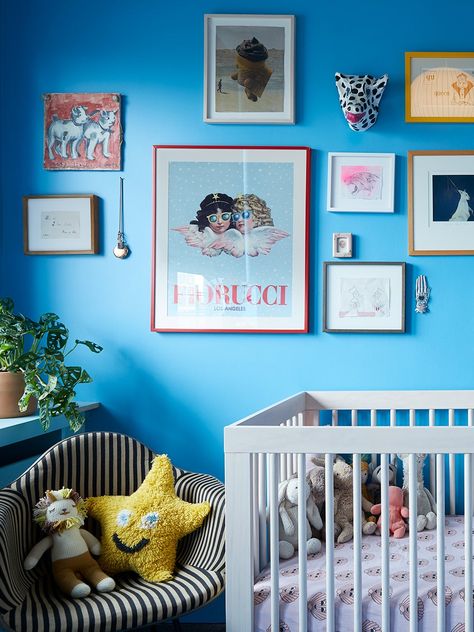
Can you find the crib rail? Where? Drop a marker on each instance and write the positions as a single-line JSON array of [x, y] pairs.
[[273, 444]]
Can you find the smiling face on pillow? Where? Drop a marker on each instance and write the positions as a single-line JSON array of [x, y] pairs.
[[140, 532]]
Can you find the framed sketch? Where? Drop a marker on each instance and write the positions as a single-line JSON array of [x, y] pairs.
[[342, 245], [82, 131], [60, 225], [249, 68], [440, 194], [230, 239], [439, 87], [364, 297], [361, 183]]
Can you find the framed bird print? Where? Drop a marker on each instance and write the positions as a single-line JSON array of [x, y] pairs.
[[230, 239]]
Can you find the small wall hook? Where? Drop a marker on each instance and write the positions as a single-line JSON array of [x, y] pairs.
[[422, 295]]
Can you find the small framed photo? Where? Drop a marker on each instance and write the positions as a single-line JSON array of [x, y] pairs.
[[361, 183], [440, 194], [439, 87], [249, 68], [60, 225], [230, 245], [364, 297], [82, 131], [342, 245]]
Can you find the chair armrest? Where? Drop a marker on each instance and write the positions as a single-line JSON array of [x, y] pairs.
[[16, 536], [205, 547]]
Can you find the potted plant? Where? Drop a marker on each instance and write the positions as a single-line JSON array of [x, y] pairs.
[[33, 360]]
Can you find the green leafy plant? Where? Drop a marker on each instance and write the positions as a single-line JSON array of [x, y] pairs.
[[38, 350]]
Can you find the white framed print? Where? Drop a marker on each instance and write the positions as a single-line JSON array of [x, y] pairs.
[[364, 297], [60, 224], [440, 195], [361, 183], [249, 68], [342, 245]]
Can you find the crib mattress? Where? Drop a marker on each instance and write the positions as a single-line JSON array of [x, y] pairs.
[[371, 585]]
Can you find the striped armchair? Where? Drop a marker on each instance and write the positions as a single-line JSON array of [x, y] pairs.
[[96, 464]]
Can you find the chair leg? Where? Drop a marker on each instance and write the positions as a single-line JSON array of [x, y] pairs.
[[177, 625]]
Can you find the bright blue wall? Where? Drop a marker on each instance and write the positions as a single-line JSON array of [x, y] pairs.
[[176, 392]]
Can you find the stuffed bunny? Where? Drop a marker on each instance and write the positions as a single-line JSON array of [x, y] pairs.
[[288, 521], [396, 512], [426, 505]]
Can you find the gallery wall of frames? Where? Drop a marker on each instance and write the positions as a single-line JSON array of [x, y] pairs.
[[224, 194]]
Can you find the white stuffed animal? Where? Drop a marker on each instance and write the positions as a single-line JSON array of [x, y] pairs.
[[288, 522], [426, 505]]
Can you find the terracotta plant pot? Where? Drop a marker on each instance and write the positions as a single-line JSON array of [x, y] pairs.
[[12, 386]]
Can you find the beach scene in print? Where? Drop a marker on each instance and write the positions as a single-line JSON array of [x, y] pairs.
[[251, 80], [361, 182]]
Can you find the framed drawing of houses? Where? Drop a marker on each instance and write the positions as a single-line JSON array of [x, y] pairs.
[[249, 68], [440, 200], [439, 87], [82, 131], [230, 239]]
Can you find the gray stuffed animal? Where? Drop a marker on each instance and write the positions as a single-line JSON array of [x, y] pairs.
[[426, 505], [288, 520]]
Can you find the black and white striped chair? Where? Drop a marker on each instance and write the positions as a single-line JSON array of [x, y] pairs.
[[95, 464]]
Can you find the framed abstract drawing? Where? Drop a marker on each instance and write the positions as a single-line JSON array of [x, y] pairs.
[[230, 239], [439, 87], [364, 297], [440, 194], [60, 225], [82, 131], [361, 183], [249, 68]]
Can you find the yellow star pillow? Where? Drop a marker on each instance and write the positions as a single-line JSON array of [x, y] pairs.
[[140, 532]]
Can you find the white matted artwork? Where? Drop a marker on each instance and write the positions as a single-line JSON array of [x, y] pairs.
[[364, 297], [249, 68], [362, 183], [60, 224], [440, 201]]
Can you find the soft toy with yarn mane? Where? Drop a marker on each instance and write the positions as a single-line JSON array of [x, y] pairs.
[[60, 514], [288, 523]]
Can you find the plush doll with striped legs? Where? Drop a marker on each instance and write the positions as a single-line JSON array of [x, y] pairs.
[[60, 514]]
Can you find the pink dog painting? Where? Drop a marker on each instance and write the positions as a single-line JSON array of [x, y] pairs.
[[82, 131]]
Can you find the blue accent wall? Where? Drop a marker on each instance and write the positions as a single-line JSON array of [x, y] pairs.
[[176, 392]]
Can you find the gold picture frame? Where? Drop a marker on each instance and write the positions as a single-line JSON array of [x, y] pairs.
[[438, 89], [60, 224]]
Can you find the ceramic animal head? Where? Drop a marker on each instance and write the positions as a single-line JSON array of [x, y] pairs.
[[359, 97]]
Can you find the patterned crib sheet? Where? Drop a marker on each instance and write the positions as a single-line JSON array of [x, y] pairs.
[[371, 585]]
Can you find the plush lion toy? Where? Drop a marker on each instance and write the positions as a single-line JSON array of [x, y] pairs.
[[60, 514]]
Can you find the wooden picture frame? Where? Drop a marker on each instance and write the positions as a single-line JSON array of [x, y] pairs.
[[439, 87], [364, 297], [361, 182], [60, 224], [230, 239], [268, 67], [440, 219]]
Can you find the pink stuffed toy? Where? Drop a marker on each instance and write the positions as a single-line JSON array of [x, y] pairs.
[[396, 512]]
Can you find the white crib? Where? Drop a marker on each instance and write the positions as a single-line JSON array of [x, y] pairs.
[[272, 444]]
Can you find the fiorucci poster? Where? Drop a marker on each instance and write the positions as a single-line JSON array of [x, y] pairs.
[[230, 239]]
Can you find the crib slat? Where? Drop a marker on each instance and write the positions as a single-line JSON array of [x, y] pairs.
[[357, 493], [452, 472], [385, 545], [468, 542], [329, 490], [413, 608], [354, 421], [335, 417], [393, 423], [432, 422], [470, 422], [262, 508], [373, 423], [440, 528], [256, 515], [302, 559], [274, 550]]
